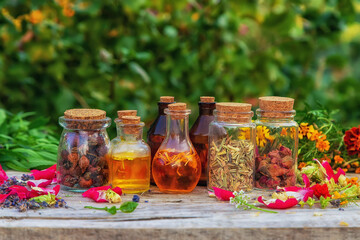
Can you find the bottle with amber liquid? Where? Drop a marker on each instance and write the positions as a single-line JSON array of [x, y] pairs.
[[200, 131], [176, 166], [130, 157], [157, 130]]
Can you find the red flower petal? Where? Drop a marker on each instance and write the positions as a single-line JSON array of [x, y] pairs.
[[3, 197], [306, 180], [329, 171], [337, 175], [3, 176], [49, 173], [222, 194], [278, 204], [117, 190], [39, 183], [38, 191]]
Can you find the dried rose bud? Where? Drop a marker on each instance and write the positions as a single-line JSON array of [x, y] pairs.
[[64, 154], [73, 158], [102, 150], [69, 181], [87, 176], [98, 181], [85, 183], [84, 163]]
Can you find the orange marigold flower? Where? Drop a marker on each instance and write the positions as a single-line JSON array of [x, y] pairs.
[[68, 11], [353, 181], [303, 130], [36, 17], [301, 165], [322, 145], [338, 159], [357, 170], [325, 158]]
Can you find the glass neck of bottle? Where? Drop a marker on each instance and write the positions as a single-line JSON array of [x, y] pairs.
[[161, 107], [129, 133], [275, 116], [177, 127], [206, 108]]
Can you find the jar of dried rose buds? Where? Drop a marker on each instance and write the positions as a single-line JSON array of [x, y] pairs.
[[277, 143], [231, 155], [83, 150]]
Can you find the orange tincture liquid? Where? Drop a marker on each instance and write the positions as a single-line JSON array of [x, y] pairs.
[[131, 173], [176, 172]]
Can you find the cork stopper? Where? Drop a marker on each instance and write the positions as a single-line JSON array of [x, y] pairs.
[[85, 114], [131, 124], [207, 99], [178, 110], [167, 99], [85, 119], [277, 107], [234, 112], [123, 113], [177, 107]]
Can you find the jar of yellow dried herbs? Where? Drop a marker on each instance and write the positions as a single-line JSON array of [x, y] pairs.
[[277, 143], [231, 155]]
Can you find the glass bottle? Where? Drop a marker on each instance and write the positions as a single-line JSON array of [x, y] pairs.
[[157, 131], [277, 143], [117, 139], [176, 166], [231, 159], [199, 133], [83, 150], [130, 157]]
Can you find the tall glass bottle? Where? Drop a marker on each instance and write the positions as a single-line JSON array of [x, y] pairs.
[[130, 157], [277, 143], [199, 133], [157, 130], [176, 166]]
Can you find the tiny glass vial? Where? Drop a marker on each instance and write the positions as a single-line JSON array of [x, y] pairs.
[[231, 159], [199, 133], [277, 143], [176, 166], [83, 150], [130, 157]]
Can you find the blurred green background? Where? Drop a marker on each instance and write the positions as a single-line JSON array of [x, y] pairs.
[[112, 54]]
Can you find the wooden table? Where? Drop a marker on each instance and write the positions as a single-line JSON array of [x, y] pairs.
[[182, 216]]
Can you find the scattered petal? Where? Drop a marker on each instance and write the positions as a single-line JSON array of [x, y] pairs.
[[317, 214], [344, 224], [49, 173], [278, 204], [222, 194], [101, 194], [3, 176], [39, 183]]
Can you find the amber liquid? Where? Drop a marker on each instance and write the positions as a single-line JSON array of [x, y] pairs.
[[131, 174], [176, 172]]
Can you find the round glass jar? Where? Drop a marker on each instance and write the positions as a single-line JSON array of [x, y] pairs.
[[231, 155], [277, 143], [83, 150]]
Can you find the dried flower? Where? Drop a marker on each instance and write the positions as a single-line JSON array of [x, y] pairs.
[[352, 141]]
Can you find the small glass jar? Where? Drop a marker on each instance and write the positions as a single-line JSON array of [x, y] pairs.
[[176, 166], [277, 143], [130, 157], [199, 133], [231, 159], [83, 150]]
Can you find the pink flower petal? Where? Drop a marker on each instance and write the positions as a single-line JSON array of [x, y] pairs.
[[306, 180], [21, 191], [337, 175], [39, 183], [49, 173], [278, 204], [222, 194], [329, 171], [3, 176], [117, 190], [97, 193], [38, 191]]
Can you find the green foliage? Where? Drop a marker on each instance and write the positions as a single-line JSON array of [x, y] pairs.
[[124, 54], [26, 144]]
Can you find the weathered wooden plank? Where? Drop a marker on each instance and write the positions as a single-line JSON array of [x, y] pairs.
[[177, 216]]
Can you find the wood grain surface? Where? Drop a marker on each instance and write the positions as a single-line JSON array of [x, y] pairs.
[[177, 216]]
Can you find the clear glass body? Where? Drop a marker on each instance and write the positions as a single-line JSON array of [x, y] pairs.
[[157, 131], [130, 159], [277, 146], [176, 166], [199, 135], [231, 159], [83, 154]]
